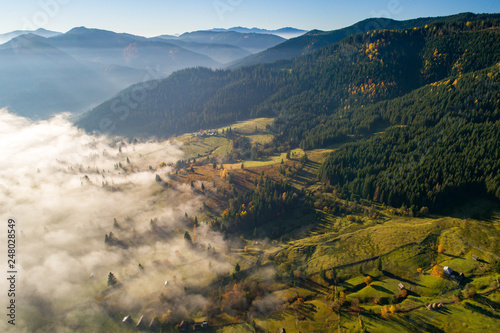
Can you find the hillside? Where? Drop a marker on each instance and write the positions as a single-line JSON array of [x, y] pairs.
[[363, 69], [316, 39], [306, 257], [418, 78]]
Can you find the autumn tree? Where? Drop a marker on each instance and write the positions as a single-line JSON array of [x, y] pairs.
[[368, 280], [424, 211], [440, 248], [437, 271], [385, 312]]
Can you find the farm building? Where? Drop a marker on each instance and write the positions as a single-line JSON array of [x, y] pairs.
[[452, 274]]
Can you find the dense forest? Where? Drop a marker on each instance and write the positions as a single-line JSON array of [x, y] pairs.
[[421, 105], [362, 69], [317, 39], [444, 145]]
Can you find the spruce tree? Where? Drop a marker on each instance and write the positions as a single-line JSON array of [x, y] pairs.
[[112, 281]]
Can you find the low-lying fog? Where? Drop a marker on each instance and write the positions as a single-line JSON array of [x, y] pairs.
[[64, 189]]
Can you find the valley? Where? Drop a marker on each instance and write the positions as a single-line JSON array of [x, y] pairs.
[[254, 180], [307, 269]]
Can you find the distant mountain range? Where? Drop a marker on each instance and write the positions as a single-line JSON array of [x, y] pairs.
[[252, 42], [39, 32], [283, 32], [45, 72]]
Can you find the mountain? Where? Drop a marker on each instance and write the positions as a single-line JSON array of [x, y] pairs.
[[430, 93], [39, 32], [316, 83], [223, 46], [38, 80], [251, 42], [286, 33], [128, 50], [221, 53], [316, 39], [77, 70]]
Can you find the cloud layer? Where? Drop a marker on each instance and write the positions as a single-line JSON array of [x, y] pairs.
[[64, 188]]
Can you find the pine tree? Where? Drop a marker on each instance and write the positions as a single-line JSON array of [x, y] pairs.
[[237, 268], [187, 238], [112, 281]]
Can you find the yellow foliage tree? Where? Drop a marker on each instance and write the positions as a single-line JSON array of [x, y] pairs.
[[440, 248], [368, 280], [223, 173], [392, 309]]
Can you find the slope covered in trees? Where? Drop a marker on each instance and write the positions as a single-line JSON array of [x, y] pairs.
[[432, 91], [444, 145], [316, 39], [362, 69]]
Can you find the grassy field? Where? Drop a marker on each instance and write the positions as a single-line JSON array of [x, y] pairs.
[[254, 129]]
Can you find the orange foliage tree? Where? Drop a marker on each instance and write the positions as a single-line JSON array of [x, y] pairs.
[[385, 311], [437, 270]]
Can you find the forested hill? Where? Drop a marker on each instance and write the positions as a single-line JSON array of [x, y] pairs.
[[316, 39], [443, 145], [361, 70]]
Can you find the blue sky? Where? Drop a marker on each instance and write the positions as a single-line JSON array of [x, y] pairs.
[[155, 17]]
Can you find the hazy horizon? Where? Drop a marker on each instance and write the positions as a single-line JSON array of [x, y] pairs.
[[168, 17]]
